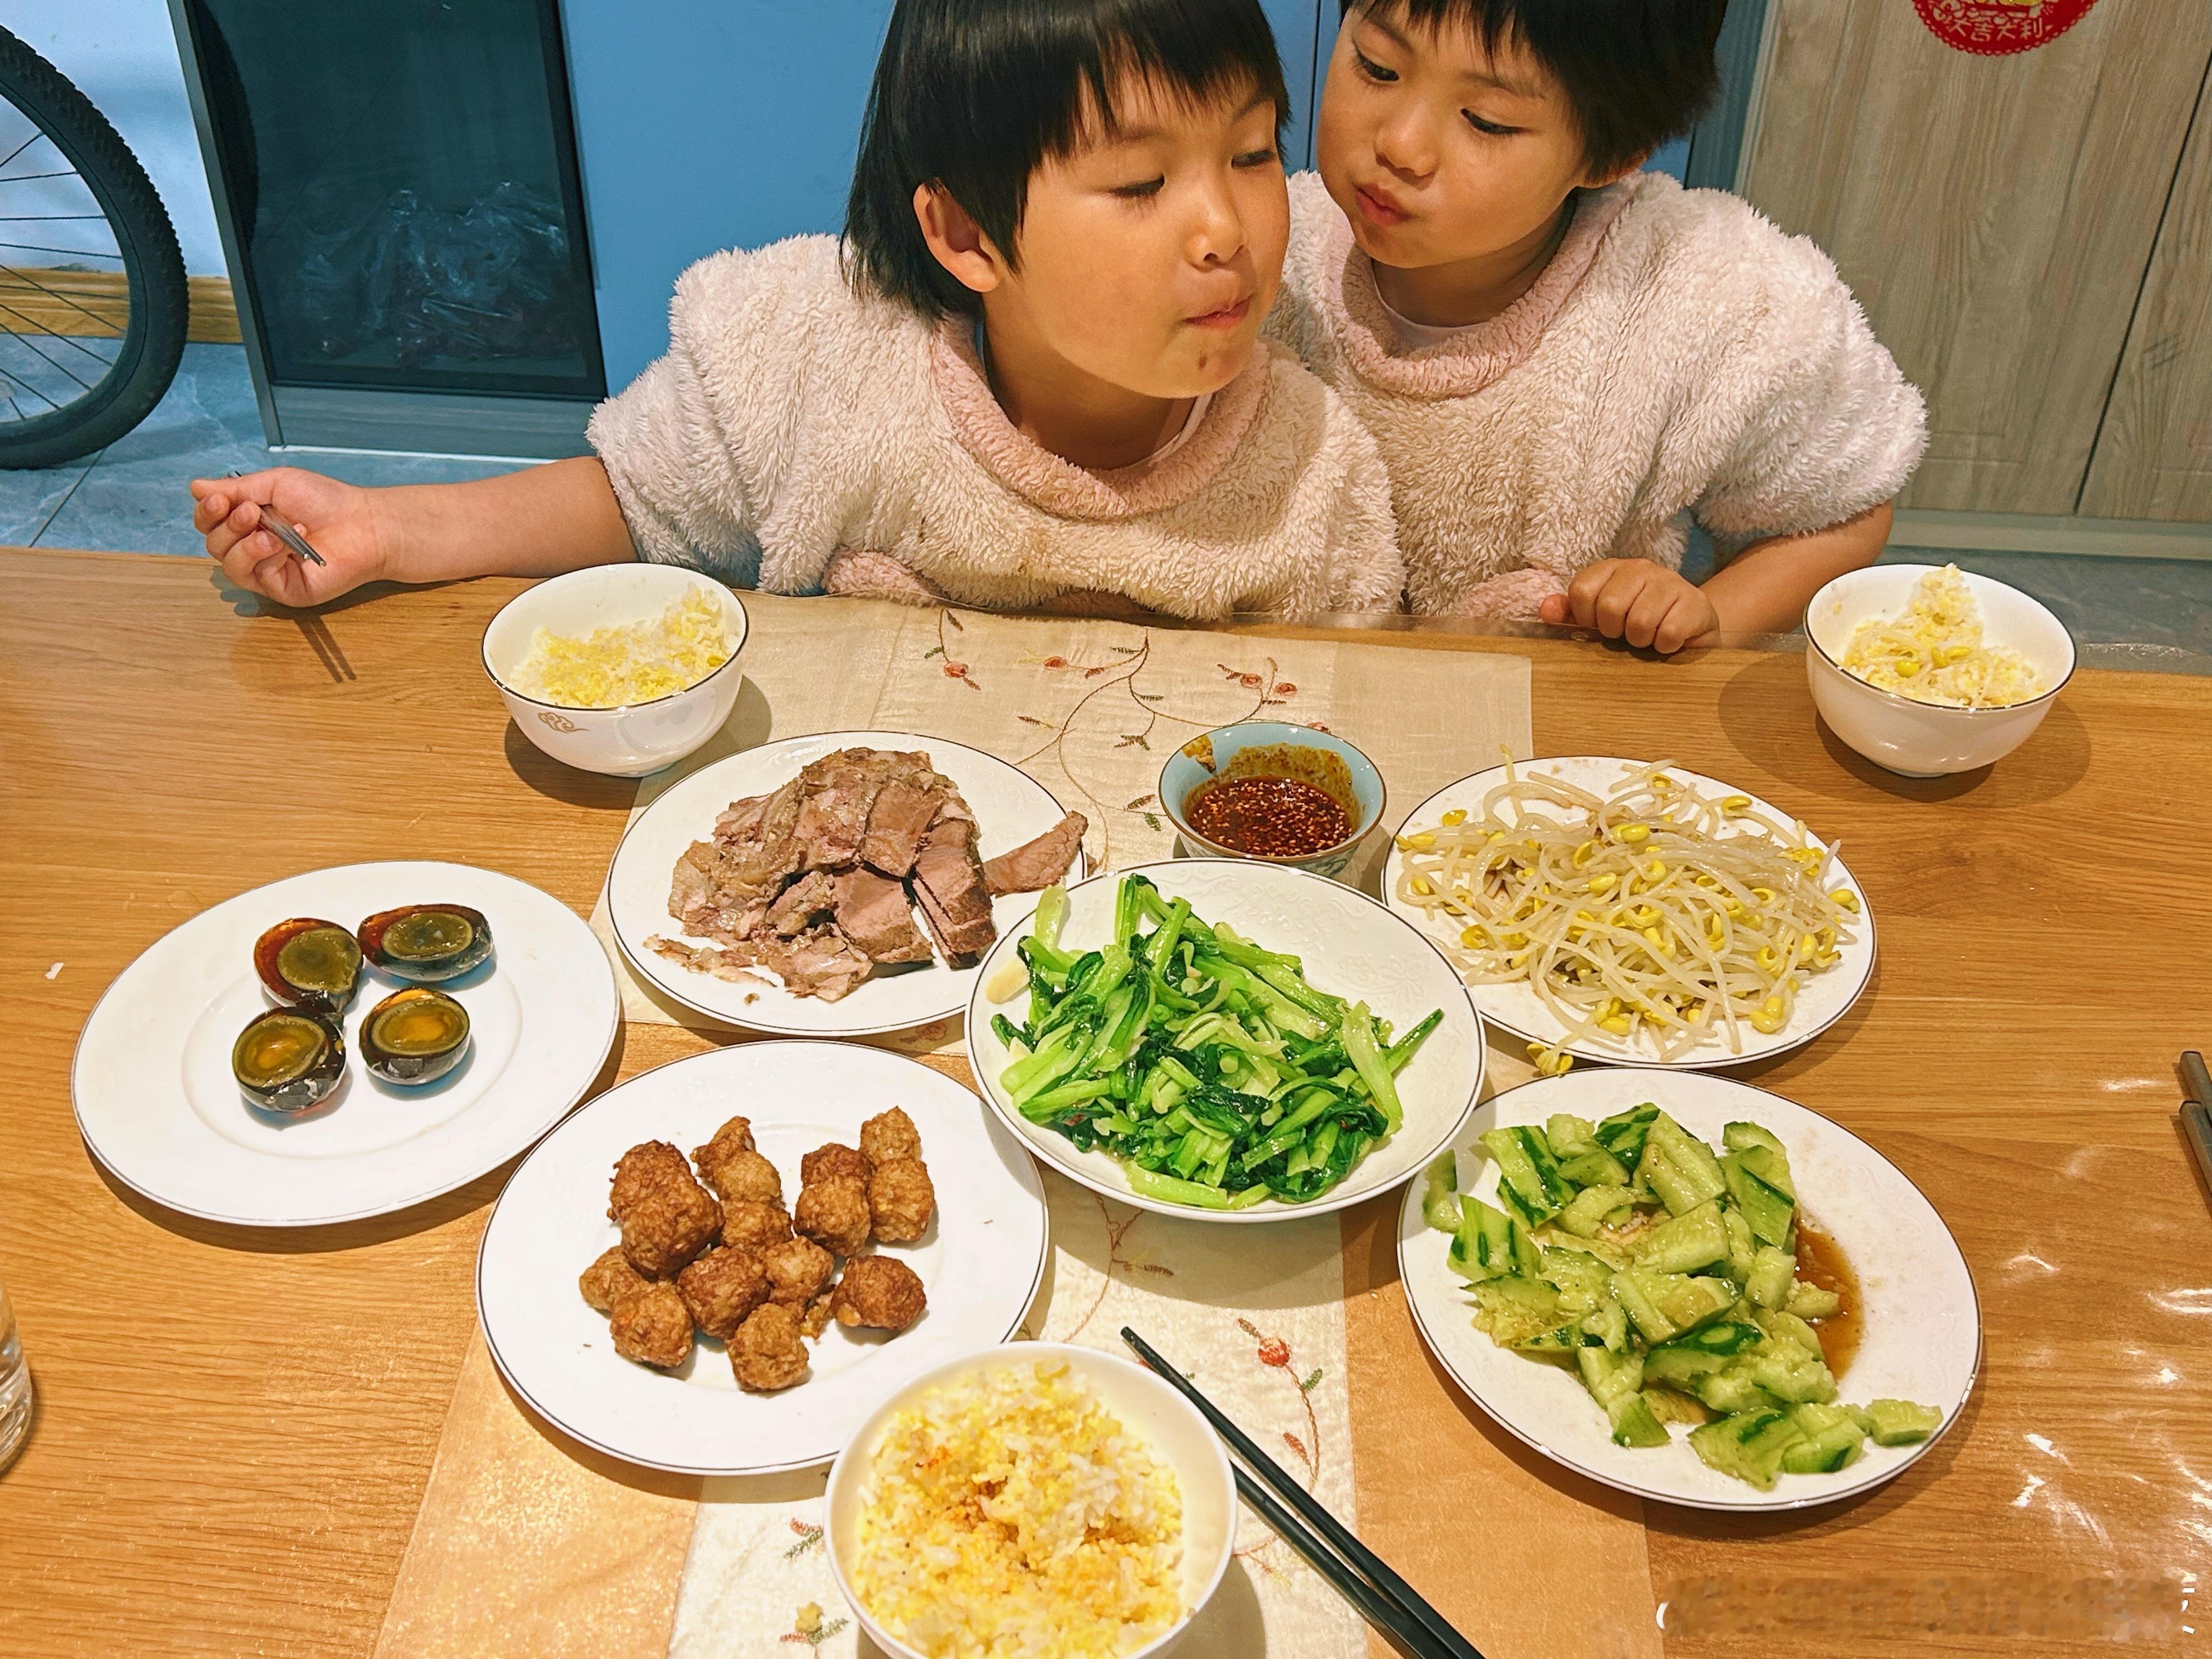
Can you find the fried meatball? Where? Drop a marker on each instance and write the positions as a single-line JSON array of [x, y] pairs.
[[880, 1290], [828, 1163], [721, 1288], [651, 1325], [833, 1214], [747, 1225], [606, 1279], [888, 1135], [901, 1200], [767, 1353], [815, 1320], [666, 1217], [732, 1145], [797, 1270], [748, 1176]]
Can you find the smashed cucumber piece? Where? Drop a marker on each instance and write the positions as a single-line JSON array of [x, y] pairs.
[[1529, 1184], [1897, 1422], [1594, 1207], [1768, 1208], [1833, 1440], [1748, 1445], [1695, 1239], [1439, 1191], [1515, 1310]]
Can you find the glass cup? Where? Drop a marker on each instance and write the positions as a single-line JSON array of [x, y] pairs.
[[14, 1387]]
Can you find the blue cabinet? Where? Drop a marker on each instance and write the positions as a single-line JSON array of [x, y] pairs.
[[712, 123]]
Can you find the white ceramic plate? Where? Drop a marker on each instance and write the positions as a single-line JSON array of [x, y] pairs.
[[157, 1104], [1826, 997], [1350, 945], [981, 1262], [1009, 808], [1922, 1327]]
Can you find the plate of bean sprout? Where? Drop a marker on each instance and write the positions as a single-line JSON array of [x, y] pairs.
[[1633, 911]]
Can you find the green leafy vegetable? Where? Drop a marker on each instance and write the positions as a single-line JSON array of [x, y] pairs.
[[1203, 1060]]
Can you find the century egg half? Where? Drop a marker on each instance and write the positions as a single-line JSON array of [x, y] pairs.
[[288, 1059], [415, 1035], [309, 962], [426, 942]]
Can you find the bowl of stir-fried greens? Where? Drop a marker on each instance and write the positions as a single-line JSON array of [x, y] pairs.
[[1225, 1040]]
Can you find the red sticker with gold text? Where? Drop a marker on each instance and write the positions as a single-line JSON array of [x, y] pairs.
[[1993, 28]]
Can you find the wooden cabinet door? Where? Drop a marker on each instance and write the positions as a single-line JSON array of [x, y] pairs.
[[1995, 215], [2154, 457]]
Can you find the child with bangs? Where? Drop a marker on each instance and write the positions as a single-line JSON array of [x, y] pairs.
[[1029, 374], [1564, 359]]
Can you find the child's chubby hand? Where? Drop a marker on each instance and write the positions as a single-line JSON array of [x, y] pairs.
[[340, 521], [1646, 604]]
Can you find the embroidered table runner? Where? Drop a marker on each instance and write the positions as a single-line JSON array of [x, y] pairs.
[[1091, 710], [527, 1544]]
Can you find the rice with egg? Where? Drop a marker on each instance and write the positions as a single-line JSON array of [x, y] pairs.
[[1010, 1514], [1933, 652], [630, 663]]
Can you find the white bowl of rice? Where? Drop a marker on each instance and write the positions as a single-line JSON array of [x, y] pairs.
[[1929, 670], [620, 668], [1031, 1500]]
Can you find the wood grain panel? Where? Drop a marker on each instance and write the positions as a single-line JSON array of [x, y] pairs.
[[1994, 216], [96, 305], [2154, 457]]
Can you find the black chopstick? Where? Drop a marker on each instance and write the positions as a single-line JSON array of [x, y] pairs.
[[1416, 1626], [1406, 1634], [2197, 1110], [2195, 1079]]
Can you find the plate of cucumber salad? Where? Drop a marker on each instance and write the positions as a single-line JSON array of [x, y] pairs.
[[1691, 1289]]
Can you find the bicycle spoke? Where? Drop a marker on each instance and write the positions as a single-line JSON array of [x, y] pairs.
[[73, 253], [39, 328], [37, 133], [28, 388], [27, 178], [29, 281], [47, 218], [25, 340]]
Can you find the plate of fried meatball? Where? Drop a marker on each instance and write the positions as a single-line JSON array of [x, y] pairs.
[[721, 1266]]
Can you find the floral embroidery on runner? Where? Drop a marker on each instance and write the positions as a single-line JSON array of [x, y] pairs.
[[1122, 676]]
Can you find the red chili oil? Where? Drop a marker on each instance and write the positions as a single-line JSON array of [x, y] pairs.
[[1267, 817]]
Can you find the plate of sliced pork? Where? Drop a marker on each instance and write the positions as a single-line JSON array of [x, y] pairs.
[[841, 884]]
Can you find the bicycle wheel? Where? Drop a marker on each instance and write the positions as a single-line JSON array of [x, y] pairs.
[[93, 299]]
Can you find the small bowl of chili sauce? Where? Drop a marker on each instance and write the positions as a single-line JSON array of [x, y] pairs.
[[1276, 793]]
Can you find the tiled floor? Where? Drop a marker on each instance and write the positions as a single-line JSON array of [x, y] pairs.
[[131, 497]]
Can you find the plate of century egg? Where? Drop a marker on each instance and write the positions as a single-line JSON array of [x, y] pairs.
[[344, 1043]]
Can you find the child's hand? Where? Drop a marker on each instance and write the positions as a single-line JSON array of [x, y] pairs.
[[1645, 603], [338, 519]]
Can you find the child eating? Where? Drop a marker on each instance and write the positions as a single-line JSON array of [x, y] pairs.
[[1564, 359], [1029, 375]]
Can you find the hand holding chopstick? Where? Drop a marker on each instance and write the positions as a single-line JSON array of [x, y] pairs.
[[1361, 1577]]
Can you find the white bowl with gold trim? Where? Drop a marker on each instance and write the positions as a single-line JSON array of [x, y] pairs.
[[1927, 739], [640, 738]]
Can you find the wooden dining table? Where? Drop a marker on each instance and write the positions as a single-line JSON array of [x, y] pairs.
[[235, 1427]]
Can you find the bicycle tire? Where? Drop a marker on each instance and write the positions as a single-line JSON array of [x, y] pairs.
[[161, 302]]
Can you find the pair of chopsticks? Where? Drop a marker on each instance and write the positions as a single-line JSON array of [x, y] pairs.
[[1361, 1577], [272, 521], [2197, 1109]]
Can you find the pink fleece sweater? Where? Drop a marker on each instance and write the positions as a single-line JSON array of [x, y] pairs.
[[803, 438], [1679, 357]]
